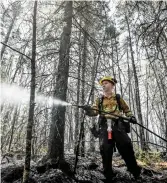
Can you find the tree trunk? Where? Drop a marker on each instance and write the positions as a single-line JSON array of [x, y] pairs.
[[5, 120], [137, 92], [162, 92], [112, 56], [84, 59], [15, 116], [162, 55], [131, 100], [147, 103], [71, 137], [32, 102], [119, 70], [16, 7], [92, 138], [77, 119], [57, 128]]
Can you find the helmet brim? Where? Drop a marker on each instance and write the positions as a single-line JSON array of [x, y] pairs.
[[101, 81]]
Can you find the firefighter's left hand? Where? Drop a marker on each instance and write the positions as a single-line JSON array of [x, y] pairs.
[[133, 120]]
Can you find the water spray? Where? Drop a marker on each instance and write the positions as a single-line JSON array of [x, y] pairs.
[[16, 95]]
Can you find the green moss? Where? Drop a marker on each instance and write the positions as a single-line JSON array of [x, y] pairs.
[[148, 157]]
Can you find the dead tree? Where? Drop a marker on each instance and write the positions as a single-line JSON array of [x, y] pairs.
[[16, 6], [137, 91], [32, 102], [57, 127]]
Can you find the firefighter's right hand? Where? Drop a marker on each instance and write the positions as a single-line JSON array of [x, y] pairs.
[[87, 109]]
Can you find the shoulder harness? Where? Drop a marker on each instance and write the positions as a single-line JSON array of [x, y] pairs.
[[100, 105]]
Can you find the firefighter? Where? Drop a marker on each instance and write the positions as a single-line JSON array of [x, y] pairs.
[[119, 131]]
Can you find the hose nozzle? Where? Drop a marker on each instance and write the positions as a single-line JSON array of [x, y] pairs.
[[84, 107]]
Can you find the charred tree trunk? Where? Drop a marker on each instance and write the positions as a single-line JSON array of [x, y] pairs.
[[92, 138], [84, 59], [119, 70], [15, 116], [71, 137], [113, 65], [32, 102], [147, 104], [4, 125], [137, 91], [162, 92], [77, 118], [57, 128]]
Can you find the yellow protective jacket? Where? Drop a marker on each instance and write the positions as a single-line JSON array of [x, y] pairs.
[[110, 105]]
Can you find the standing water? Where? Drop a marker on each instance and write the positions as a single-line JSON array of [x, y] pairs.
[[14, 94]]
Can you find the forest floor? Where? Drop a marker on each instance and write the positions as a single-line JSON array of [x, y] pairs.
[[89, 170]]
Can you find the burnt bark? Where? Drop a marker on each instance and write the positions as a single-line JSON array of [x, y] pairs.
[[77, 116], [32, 102], [57, 128], [144, 146], [15, 116], [84, 59]]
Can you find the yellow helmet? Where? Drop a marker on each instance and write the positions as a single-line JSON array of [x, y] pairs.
[[108, 78]]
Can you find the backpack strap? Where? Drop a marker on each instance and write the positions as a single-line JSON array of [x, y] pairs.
[[126, 125], [118, 101], [100, 104]]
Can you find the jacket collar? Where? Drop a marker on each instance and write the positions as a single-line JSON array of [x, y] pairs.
[[112, 95]]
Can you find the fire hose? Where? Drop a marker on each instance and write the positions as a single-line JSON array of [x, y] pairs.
[[124, 118], [109, 128]]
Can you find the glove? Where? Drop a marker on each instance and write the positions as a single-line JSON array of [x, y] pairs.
[[133, 120], [87, 109]]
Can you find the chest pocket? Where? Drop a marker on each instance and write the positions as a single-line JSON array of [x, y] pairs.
[[110, 105]]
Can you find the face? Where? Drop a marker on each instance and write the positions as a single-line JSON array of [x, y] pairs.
[[107, 86]]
